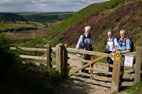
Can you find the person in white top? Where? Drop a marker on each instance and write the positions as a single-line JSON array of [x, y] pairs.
[[111, 47], [112, 42]]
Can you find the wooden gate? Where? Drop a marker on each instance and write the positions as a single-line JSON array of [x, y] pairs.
[[63, 55], [99, 56]]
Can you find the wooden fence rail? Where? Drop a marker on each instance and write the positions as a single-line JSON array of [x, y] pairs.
[[29, 49], [41, 58], [88, 52], [33, 57]]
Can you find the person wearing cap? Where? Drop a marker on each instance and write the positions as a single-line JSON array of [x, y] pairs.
[[124, 43], [111, 47], [85, 43]]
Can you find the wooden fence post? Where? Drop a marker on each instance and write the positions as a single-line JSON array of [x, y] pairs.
[[116, 72], [61, 60], [49, 56], [65, 60], [92, 58], [138, 66]]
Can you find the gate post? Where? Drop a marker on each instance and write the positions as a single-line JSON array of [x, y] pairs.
[[116, 72], [49, 56], [61, 60], [138, 67], [65, 61]]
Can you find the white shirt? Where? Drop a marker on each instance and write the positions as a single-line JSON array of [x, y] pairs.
[[111, 43]]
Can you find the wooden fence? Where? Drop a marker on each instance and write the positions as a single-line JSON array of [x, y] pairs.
[[62, 58]]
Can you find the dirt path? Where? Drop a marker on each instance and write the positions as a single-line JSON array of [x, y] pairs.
[[84, 85]]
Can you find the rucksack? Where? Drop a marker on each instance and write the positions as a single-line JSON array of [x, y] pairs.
[[87, 47], [113, 40], [84, 37], [132, 44]]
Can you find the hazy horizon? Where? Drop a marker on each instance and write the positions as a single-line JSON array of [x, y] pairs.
[[44, 5], [41, 12]]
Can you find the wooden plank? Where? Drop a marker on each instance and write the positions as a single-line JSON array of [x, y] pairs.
[[138, 65], [49, 56], [79, 59], [98, 71], [59, 58], [74, 65], [96, 77], [116, 72], [85, 61], [91, 71], [130, 53], [65, 45], [33, 57], [54, 66], [104, 64], [65, 61], [54, 49], [88, 64], [29, 49], [89, 52]]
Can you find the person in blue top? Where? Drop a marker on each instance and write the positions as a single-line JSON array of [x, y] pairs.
[[85, 43], [124, 43]]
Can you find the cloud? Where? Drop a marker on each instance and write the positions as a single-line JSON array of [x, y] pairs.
[[44, 5]]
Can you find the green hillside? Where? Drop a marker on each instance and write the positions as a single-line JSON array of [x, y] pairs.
[[29, 21], [45, 17], [15, 22], [115, 14], [79, 20], [6, 17], [20, 25]]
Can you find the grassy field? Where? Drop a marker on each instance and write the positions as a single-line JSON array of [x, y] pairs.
[[29, 21], [20, 25], [23, 27], [46, 18], [136, 89], [24, 36]]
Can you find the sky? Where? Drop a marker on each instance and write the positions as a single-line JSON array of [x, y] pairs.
[[44, 5]]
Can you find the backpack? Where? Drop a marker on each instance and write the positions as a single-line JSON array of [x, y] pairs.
[[84, 37], [89, 47], [113, 40], [132, 44]]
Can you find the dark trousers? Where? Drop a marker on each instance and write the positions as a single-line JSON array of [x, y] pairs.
[[110, 61], [86, 57]]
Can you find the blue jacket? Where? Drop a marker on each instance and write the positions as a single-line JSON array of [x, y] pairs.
[[124, 44]]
